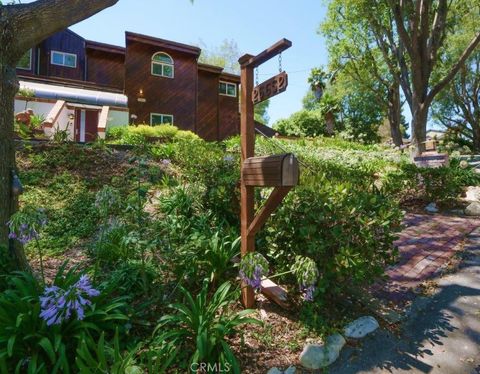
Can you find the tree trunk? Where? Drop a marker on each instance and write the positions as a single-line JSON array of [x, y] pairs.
[[419, 127], [330, 122], [8, 202], [476, 137], [395, 114]]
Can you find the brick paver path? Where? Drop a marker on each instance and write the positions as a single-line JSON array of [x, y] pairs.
[[425, 245]]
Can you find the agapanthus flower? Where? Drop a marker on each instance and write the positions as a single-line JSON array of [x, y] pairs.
[[25, 224], [58, 305], [253, 268], [307, 275]]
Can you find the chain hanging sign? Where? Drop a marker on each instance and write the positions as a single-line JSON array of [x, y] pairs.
[[270, 88]]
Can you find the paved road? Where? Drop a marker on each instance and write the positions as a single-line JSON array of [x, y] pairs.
[[441, 335]]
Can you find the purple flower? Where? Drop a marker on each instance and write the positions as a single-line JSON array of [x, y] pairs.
[[252, 269], [308, 292], [58, 305], [166, 162]]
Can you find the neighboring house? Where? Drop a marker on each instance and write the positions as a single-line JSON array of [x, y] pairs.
[[84, 87]]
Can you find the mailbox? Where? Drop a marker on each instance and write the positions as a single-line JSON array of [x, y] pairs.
[[271, 171]]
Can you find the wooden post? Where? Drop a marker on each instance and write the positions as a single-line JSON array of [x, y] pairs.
[[249, 226], [247, 134]]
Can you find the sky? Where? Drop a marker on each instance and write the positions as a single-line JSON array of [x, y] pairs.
[[253, 24]]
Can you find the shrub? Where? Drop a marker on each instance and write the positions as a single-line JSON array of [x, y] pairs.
[[441, 185], [347, 231], [302, 123], [116, 132]]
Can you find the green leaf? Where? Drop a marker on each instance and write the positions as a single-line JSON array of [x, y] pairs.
[[48, 348]]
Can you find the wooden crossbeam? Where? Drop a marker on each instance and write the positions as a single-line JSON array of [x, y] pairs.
[[273, 201], [249, 61]]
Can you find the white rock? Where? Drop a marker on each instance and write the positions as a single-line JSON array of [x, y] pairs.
[[473, 209], [274, 371], [472, 194], [316, 356], [290, 370], [361, 327], [431, 208]]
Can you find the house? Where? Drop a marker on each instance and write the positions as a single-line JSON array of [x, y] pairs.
[[83, 87]]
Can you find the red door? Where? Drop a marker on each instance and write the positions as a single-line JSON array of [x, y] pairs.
[[86, 125]]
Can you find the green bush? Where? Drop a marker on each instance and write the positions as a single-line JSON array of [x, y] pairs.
[[441, 185], [347, 231], [116, 132], [141, 134], [302, 123]]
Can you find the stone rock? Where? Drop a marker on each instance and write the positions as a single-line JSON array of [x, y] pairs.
[[472, 194], [473, 209], [274, 371], [290, 370], [316, 356], [431, 208], [361, 327]]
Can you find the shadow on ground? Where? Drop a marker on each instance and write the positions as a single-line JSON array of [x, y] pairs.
[[441, 334]]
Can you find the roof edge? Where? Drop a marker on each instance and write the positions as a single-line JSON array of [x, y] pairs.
[[180, 47]]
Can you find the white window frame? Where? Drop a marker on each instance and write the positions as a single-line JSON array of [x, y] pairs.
[[30, 65], [226, 92], [162, 115], [63, 54], [162, 64]]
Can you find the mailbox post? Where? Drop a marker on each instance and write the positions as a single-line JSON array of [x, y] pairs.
[[279, 171]]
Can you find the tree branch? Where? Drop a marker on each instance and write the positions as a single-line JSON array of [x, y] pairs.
[[445, 81], [36, 21]]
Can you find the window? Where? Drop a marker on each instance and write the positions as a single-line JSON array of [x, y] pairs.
[[162, 65], [25, 62], [63, 59], [161, 119], [228, 89]]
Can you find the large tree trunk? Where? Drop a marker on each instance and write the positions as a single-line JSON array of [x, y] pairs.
[[476, 137], [395, 114], [419, 127], [22, 26], [8, 89], [330, 123]]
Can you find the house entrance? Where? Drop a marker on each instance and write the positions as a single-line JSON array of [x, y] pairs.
[[86, 125]]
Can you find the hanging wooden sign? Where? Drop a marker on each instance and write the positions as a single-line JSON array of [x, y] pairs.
[[270, 88]]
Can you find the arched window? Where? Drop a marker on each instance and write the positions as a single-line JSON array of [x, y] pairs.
[[162, 65]]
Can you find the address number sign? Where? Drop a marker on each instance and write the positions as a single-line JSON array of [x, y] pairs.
[[270, 88]]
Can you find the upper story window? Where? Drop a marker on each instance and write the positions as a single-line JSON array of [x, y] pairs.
[[63, 59], [25, 62], [162, 65], [227, 89], [161, 119]]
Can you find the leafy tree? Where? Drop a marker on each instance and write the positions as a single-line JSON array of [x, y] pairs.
[[226, 56], [458, 107], [320, 81], [22, 26], [353, 51], [411, 36]]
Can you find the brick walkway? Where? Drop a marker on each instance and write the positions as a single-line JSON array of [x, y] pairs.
[[425, 245]]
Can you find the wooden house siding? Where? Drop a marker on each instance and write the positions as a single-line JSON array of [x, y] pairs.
[[229, 110], [207, 116], [105, 68], [175, 96], [65, 41]]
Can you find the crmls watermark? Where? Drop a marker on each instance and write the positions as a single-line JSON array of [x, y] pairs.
[[204, 368]]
